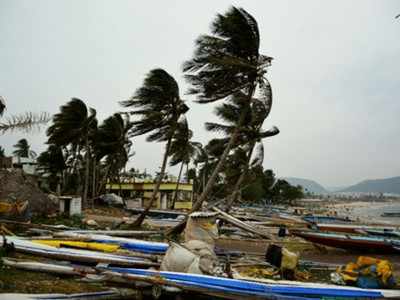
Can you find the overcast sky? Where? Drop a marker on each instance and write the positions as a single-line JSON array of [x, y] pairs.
[[335, 74]]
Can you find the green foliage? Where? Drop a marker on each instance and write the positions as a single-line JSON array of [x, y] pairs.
[[183, 149], [228, 60], [23, 149], [72, 124], [157, 106], [263, 186]]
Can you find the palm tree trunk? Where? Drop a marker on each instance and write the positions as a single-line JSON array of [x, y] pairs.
[[177, 186], [86, 186], [236, 191], [210, 183], [94, 179], [138, 222], [78, 172]]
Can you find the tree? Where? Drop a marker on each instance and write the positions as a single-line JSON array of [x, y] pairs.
[[158, 108], [225, 63], [112, 142], [72, 127], [23, 149], [250, 133], [53, 162], [182, 151]]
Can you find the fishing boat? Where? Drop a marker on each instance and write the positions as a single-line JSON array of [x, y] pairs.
[[76, 255], [246, 288], [349, 242], [325, 219], [391, 214], [124, 243], [390, 233], [350, 228]]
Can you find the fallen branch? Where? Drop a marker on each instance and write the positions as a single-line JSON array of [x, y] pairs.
[[242, 225]]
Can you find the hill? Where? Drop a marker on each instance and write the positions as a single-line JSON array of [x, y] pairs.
[[386, 185], [307, 184]]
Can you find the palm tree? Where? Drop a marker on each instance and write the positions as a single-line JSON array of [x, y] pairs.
[[23, 149], [112, 142], [73, 126], [53, 162], [224, 63], [250, 135], [182, 151], [158, 108]]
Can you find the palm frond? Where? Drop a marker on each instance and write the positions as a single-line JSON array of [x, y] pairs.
[[26, 122], [271, 132]]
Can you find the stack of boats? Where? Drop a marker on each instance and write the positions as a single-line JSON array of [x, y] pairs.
[[115, 256], [348, 235]]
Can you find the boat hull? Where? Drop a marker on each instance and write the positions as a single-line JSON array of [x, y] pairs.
[[354, 243]]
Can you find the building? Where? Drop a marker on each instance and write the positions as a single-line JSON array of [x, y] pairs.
[[138, 194], [28, 165]]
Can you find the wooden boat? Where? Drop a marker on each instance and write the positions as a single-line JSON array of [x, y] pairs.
[[349, 228], [389, 233], [48, 267], [349, 242], [325, 219], [391, 214]]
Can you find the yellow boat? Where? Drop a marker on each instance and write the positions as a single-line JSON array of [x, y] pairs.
[[79, 245], [16, 208]]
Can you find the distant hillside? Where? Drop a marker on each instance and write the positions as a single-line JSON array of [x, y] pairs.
[[309, 185], [386, 185]]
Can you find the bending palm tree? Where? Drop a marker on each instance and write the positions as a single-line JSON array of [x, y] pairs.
[[112, 142], [224, 63], [158, 107], [250, 133], [182, 151], [73, 126], [23, 149]]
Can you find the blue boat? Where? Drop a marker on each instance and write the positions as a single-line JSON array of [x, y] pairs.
[[249, 288]]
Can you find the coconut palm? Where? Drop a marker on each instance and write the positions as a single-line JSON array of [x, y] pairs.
[[225, 63], [182, 151], [53, 162], [73, 126], [250, 135], [158, 108], [23, 149], [112, 142]]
